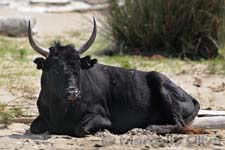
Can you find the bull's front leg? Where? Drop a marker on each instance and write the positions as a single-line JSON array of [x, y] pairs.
[[39, 125], [90, 124]]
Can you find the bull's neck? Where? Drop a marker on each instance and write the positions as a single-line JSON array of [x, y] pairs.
[[86, 80]]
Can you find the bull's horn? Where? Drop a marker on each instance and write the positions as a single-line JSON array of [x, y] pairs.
[[35, 46], [87, 45]]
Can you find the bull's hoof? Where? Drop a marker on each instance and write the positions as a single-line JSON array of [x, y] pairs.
[[187, 130], [80, 132], [38, 126], [163, 129]]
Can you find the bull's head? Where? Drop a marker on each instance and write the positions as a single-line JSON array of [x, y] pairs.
[[61, 66]]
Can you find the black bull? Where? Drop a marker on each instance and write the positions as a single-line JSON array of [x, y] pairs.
[[80, 96]]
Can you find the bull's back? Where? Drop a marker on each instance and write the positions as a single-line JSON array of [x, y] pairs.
[[130, 99]]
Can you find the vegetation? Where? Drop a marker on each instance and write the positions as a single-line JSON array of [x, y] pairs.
[[17, 70], [19, 74], [4, 115], [181, 28]]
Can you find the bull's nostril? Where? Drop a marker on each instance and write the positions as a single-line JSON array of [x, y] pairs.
[[70, 89], [73, 95], [76, 92]]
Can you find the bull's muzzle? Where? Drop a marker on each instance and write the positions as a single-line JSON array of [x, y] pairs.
[[73, 95]]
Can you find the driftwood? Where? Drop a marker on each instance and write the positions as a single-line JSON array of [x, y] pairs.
[[209, 119], [211, 122], [204, 113]]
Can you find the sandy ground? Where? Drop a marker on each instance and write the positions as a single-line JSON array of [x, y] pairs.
[[50, 24], [17, 136], [211, 94]]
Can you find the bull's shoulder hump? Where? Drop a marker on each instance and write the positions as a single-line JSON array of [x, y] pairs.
[[111, 67]]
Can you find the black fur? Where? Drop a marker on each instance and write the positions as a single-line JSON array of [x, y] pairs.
[[40, 62], [87, 62], [108, 97]]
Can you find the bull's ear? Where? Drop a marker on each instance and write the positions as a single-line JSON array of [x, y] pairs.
[[40, 62], [87, 62]]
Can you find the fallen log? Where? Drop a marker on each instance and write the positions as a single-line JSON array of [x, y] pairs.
[[209, 119], [202, 113], [210, 122]]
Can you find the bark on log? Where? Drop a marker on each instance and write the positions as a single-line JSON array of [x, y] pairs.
[[209, 119], [202, 113], [211, 122]]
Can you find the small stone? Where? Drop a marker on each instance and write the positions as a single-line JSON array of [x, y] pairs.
[[98, 145], [15, 26], [50, 2], [18, 127]]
